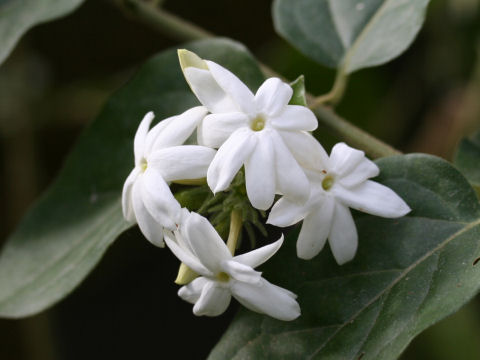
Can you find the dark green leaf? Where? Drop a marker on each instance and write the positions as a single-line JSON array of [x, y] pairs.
[[298, 97], [349, 34], [17, 16], [65, 234], [467, 159], [408, 274]]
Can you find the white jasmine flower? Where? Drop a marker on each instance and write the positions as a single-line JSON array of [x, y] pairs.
[[338, 182], [258, 131], [222, 275], [146, 197]]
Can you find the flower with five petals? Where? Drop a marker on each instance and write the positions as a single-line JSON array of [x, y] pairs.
[[222, 275], [159, 159], [338, 182], [257, 131]]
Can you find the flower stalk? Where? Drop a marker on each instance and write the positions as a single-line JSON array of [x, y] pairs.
[[234, 232]]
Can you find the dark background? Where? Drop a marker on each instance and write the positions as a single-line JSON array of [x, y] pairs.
[[61, 73]]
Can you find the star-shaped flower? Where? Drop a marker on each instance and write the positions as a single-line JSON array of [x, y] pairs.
[[159, 159], [222, 275], [258, 131], [338, 182]]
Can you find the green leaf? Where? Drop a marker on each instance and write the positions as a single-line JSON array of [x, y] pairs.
[[17, 16], [467, 159], [349, 34], [408, 274], [65, 234], [298, 97]]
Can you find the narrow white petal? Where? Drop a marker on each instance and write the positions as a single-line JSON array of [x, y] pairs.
[[139, 142], [268, 299], [344, 159], [213, 301], [150, 228], [343, 238], [159, 200], [229, 159], [216, 128], [315, 229], [176, 130], [273, 96], [127, 207], [291, 180], [192, 291], [234, 87], [208, 91], [241, 272], [373, 198], [182, 162], [363, 171], [286, 213], [308, 152], [205, 242], [258, 256], [295, 117], [260, 172], [184, 254]]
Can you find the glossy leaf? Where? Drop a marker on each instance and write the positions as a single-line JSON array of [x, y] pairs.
[[65, 234], [408, 274], [467, 159], [349, 34], [17, 16]]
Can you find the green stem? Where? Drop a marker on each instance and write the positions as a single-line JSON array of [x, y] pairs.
[[334, 96], [234, 232], [182, 30]]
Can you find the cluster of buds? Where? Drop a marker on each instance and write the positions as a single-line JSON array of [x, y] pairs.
[[266, 141]]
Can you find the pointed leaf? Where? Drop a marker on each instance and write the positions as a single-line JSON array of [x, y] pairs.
[[408, 273], [17, 16], [350, 34], [65, 234]]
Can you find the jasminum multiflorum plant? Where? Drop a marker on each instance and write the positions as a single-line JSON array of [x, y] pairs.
[[269, 139]]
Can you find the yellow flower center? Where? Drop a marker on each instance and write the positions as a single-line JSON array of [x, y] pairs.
[[143, 164], [258, 123], [223, 277], [328, 182]]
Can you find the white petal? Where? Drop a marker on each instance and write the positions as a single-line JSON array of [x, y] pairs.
[[373, 198], [268, 299], [343, 238], [295, 117], [258, 256], [176, 130], [213, 301], [184, 254], [192, 291], [291, 180], [216, 128], [234, 87], [344, 159], [127, 207], [139, 142], [208, 92], [159, 200], [182, 162], [363, 171], [308, 152], [205, 242], [273, 96], [260, 173], [286, 213], [315, 229], [150, 228], [241, 272], [229, 159]]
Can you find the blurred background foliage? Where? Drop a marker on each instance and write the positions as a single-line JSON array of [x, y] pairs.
[[61, 73]]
